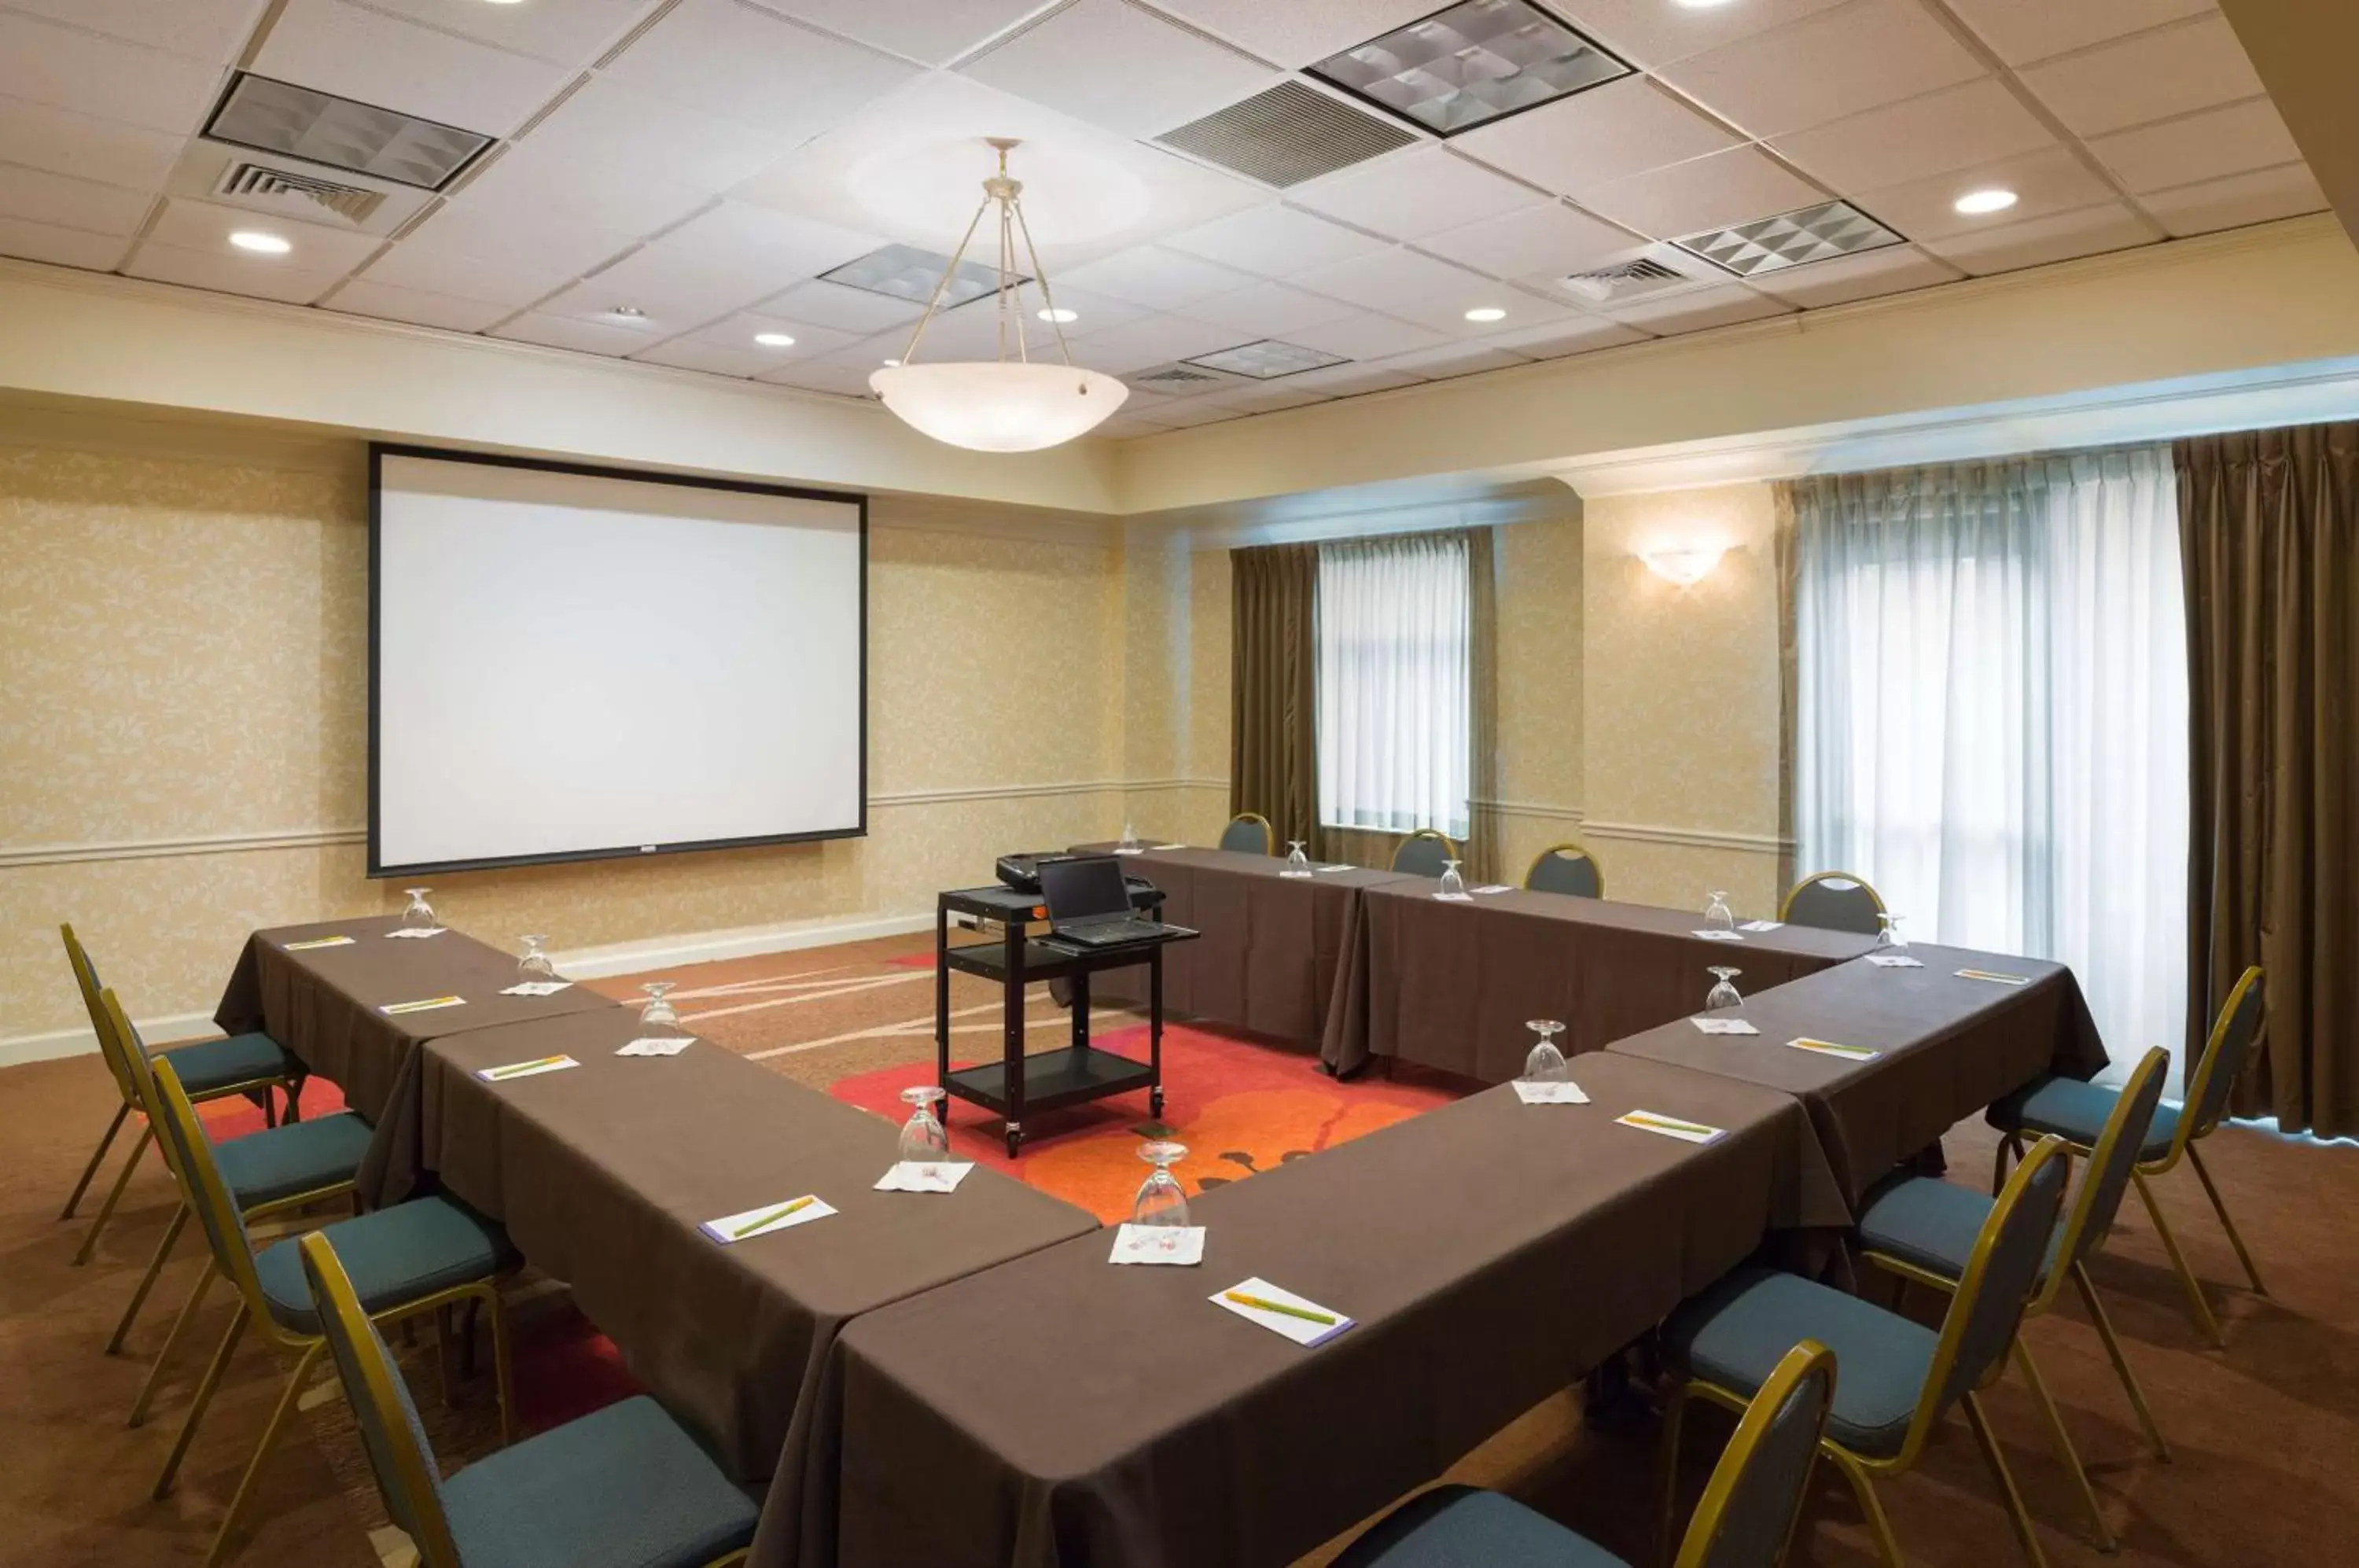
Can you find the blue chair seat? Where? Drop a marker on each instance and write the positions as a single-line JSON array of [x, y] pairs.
[[1735, 1332], [2076, 1112], [212, 1065], [395, 1254], [301, 1157], [1464, 1526], [623, 1488], [1934, 1224]]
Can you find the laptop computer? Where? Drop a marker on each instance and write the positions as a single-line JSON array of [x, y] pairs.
[[1089, 903]]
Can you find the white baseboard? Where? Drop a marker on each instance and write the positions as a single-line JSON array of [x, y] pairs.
[[169, 1029], [745, 942]]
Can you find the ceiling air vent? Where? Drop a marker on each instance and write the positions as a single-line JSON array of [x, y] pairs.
[[339, 133], [1179, 379], [300, 196], [1286, 135], [1640, 274]]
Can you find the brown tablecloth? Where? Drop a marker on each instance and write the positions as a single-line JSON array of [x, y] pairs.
[[1274, 948], [1950, 1047], [1452, 985], [602, 1174], [321, 1003], [1061, 1410]]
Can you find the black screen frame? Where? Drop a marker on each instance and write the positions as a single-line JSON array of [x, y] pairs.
[[379, 450]]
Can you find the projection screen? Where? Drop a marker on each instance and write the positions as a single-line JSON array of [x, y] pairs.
[[573, 663]]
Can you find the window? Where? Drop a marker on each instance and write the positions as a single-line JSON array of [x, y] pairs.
[[1395, 683]]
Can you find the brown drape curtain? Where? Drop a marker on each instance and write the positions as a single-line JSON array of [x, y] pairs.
[[1273, 688], [2270, 523]]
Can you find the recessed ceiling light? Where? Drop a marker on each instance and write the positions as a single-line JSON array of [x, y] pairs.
[[1975, 204], [1682, 5], [1486, 313], [891, 363], [1059, 314], [767, 340], [261, 244], [627, 314]]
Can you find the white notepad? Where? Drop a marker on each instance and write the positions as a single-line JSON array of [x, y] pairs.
[[1893, 961], [1532, 1092], [924, 1176], [1724, 1026], [418, 930], [729, 1229], [1455, 898], [1761, 925], [536, 988], [1307, 1324], [1715, 936], [656, 1045], [1181, 1246]]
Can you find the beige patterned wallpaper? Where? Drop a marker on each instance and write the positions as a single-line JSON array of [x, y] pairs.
[[184, 642]]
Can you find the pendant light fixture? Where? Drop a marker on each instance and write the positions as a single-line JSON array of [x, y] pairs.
[[1004, 403]]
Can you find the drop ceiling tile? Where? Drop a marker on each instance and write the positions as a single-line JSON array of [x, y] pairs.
[[1274, 241], [60, 248], [1188, 412], [845, 374], [2209, 146], [1417, 191], [66, 68], [1980, 121], [1706, 308], [1370, 336], [2175, 70], [40, 137], [527, 237], [582, 337], [738, 238], [1351, 380], [738, 332], [668, 303], [394, 64], [973, 333], [35, 196], [844, 309], [1454, 360], [2044, 182], [2256, 198], [1269, 310], [1895, 270], [1718, 191], [1574, 334], [1654, 33], [1151, 340], [1092, 312], [388, 302], [1266, 397], [574, 33], [1158, 278], [205, 227], [1830, 64], [1113, 64], [1299, 32], [924, 30], [716, 359], [1432, 294], [501, 278], [1608, 133], [227, 272], [755, 67], [209, 30], [2020, 31], [1539, 242], [2089, 232]]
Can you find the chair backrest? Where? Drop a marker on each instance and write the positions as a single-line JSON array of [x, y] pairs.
[[86, 977], [1746, 1516], [1567, 868], [2001, 1274], [2107, 1175], [191, 1154], [1249, 833], [407, 1476], [1424, 852], [1833, 900], [2224, 1056]]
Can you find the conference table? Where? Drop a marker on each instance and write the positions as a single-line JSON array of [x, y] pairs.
[[1060, 1410]]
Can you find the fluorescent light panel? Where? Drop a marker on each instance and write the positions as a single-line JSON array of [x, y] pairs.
[[1471, 64], [1267, 360], [1791, 239], [320, 127], [907, 272]]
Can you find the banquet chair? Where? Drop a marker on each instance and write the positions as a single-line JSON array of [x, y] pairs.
[[1567, 868], [1249, 832], [1898, 1376], [1833, 900], [1745, 1519], [2078, 1112], [268, 1172], [1424, 854], [211, 1069], [623, 1487], [413, 1257], [1923, 1228]]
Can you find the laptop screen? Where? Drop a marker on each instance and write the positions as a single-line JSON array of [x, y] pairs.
[[1088, 885]]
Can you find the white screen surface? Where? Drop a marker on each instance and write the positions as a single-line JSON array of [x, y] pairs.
[[574, 665]]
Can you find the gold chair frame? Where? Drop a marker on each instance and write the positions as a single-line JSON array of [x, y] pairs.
[[2077, 1219], [435, 1547], [1268, 833], [1574, 847], [86, 977], [1786, 904], [1751, 1430], [205, 1187], [2182, 1145], [1446, 843], [1860, 1469]]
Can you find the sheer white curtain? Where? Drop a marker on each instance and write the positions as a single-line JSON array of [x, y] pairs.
[[1394, 684], [1992, 714]]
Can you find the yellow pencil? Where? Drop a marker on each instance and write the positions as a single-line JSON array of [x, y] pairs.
[[773, 1217], [1241, 1299], [512, 1068]]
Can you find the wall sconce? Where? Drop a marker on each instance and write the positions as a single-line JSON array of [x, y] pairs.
[[1684, 567]]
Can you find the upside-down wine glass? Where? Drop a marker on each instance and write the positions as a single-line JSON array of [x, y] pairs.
[[1887, 931], [1546, 1064], [1161, 1204], [1453, 886], [1717, 914], [657, 1015], [923, 1141], [1723, 993], [417, 915], [1297, 863], [535, 965], [1129, 844]]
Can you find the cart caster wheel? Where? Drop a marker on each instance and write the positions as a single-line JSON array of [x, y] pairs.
[[1015, 1140], [1154, 1104]]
